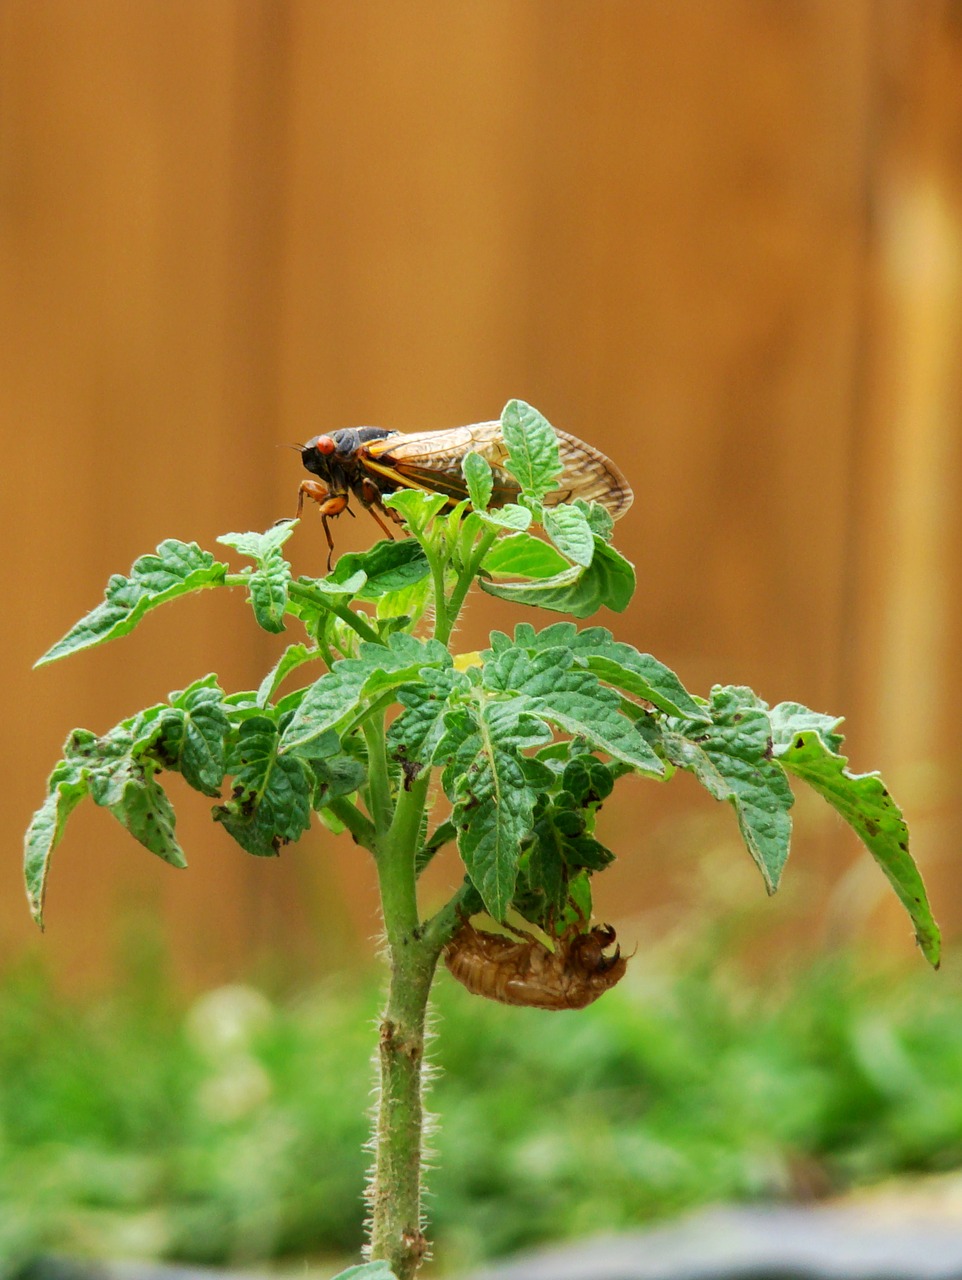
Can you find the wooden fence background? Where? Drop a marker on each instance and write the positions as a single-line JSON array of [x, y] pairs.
[[722, 239]]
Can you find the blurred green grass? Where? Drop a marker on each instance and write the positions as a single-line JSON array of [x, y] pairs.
[[230, 1129]]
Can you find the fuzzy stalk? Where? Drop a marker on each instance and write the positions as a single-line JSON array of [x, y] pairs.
[[396, 1223], [395, 1191]]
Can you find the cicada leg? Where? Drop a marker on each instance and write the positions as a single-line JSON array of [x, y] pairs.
[[329, 504], [370, 495]]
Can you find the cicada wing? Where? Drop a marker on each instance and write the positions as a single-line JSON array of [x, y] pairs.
[[432, 460], [589, 475]]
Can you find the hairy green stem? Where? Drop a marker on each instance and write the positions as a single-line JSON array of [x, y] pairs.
[[395, 1192], [359, 825], [298, 591], [444, 621], [378, 779]]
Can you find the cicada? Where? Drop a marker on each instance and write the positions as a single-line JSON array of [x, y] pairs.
[[370, 462], [527, 972]]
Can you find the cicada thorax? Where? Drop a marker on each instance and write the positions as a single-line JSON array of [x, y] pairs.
[[338, 461], [523, 970]]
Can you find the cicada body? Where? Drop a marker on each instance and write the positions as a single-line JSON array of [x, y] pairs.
[[526, 972], [370, 462]]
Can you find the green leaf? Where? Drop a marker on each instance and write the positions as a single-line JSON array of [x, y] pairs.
[[864, 802], [510, 516], [120, 772], [589, 780], [294, 656], [533, 455], [599, 520], [617, 664], [609, 580], [269, 582], [573, 700], [387, 567], [347, 689], [493, 804], [259, 546], [338, 775], [66, 787], [790, 718], [416, 507], [176, 569], [270, 802], [416, 732], [148, 815], [367, 1271], [409, 602], [731, 758], [568, 529], [190, 736], [479, 479], [522, 555]]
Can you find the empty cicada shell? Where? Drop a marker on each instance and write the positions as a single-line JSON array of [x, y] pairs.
[[524, 971]]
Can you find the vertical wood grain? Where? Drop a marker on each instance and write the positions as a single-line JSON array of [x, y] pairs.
[[721, 241]]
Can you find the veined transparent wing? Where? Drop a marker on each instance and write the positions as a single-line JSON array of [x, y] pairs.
[[432, 460]]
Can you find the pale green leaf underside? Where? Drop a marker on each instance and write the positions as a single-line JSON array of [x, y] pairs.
[[864, 802], [609, 580], [790, 718], [522, 555], [533, 455], [479, 479], [568, 529], [269, 581]]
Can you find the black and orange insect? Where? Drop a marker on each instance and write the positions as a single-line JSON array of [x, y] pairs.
[[370, 462], [526, 972]]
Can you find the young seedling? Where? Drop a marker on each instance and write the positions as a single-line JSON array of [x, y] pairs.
[[527, 739]]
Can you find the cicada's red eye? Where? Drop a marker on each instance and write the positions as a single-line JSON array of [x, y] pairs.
[[325, 444]]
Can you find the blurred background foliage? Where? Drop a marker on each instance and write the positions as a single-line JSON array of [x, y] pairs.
[[230, 1130], [722, 241]]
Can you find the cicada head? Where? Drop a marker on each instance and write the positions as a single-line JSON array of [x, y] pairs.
[[325, 455], [587, 951]]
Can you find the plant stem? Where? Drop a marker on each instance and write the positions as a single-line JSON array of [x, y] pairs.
[[299, 591], [445, 620], [378, 779], [359, 825], [395, 1192]]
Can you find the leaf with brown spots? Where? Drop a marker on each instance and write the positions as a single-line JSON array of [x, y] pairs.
[[864, 802]]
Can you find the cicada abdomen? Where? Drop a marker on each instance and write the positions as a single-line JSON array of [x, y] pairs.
[[524, 971]]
